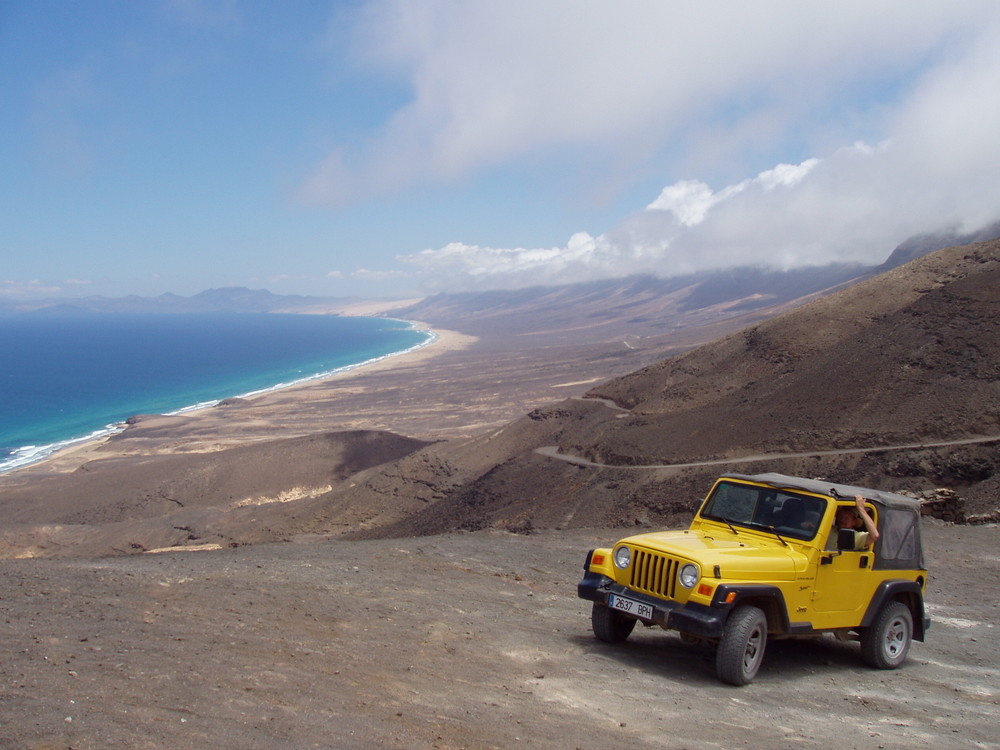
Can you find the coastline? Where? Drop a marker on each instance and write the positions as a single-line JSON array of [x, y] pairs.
[[199, 418]]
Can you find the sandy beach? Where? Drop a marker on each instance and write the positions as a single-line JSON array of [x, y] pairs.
[[286, 412], [456, 386], [222, 475], [212, 475]]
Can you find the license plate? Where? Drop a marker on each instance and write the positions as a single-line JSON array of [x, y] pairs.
[[630, 606]]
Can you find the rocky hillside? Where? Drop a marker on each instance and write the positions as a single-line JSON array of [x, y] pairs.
[[912, 355], [892, 382], [908, 357]]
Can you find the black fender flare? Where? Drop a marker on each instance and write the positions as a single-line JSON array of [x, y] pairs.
[[728, 596], [911, 593]]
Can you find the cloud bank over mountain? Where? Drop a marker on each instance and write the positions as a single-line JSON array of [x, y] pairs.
[[849, 208], [888, 109]]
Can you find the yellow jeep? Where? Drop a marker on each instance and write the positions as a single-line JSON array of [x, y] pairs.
[[762, 559]]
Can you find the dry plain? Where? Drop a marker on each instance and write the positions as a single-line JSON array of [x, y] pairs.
[[466, 640], [458, 640]]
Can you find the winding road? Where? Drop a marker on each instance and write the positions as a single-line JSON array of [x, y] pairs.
[[552, 451]]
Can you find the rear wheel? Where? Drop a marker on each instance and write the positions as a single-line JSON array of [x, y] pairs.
[[885, 644], [610, 626], [741, 648]]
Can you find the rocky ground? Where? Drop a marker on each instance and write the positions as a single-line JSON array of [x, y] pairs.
[[473, 640], [470, 636]]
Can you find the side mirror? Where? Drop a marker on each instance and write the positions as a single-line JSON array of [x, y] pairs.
[[846, 539]]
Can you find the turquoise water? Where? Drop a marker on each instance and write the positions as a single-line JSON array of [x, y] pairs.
[[66, 378]]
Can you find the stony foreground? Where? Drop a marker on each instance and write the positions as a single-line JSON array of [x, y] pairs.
[[472, 640]]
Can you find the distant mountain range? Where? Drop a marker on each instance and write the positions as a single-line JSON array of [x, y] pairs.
[[636, 306], [228, 299], [642, 306], [643, 302]]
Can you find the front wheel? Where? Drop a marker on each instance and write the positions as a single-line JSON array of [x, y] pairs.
[[741, 648], [885, 644], [610, 626]]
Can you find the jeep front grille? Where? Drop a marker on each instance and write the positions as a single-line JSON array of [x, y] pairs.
[[653, 574]]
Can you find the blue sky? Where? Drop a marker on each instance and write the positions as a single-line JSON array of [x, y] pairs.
[[402, 147]]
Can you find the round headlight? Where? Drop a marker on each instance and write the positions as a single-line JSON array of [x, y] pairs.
[[688, 575], [623, 556]]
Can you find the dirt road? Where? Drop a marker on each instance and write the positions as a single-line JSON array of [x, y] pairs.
[[552, 451], [461, 641]]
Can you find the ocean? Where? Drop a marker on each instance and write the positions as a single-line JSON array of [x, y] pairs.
[[73, 377]]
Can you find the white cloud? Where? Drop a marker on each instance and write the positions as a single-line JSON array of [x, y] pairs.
[[28, 289], [842, 208], [492, 82], [893, 102], [688, 200]]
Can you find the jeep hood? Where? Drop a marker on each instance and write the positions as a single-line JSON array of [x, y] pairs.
[[748, 556]]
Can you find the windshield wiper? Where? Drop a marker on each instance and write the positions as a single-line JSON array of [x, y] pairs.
[[775, 532], [772, 529], [729, 524]]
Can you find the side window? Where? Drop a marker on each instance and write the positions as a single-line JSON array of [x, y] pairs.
[[900, 541], [861, 541]]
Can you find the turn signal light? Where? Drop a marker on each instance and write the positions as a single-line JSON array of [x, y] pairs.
[[597, 560], [705, 590]]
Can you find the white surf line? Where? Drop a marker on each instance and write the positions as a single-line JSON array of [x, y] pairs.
[[552, 451]]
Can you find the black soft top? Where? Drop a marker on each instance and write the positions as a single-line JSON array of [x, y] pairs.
[[898, 547]]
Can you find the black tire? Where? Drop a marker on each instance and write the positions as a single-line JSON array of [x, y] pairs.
[[741, 648], [610, 626], [885, 644]]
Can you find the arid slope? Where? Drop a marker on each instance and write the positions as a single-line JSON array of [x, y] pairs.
[[910, 356]]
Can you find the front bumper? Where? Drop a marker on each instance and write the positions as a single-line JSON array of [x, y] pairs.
[[696, 619]]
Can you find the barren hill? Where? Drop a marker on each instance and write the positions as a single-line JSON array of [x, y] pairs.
[[909, 357], [504, 433]]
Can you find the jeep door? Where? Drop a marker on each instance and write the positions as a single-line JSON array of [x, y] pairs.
[[845, 584]]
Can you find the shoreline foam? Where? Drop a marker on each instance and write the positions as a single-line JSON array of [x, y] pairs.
[[27, 456]]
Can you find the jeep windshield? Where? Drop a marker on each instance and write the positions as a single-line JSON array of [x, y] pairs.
[[781, 512]]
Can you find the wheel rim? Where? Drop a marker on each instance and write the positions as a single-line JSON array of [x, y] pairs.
[[897, 635], [752, 653]]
